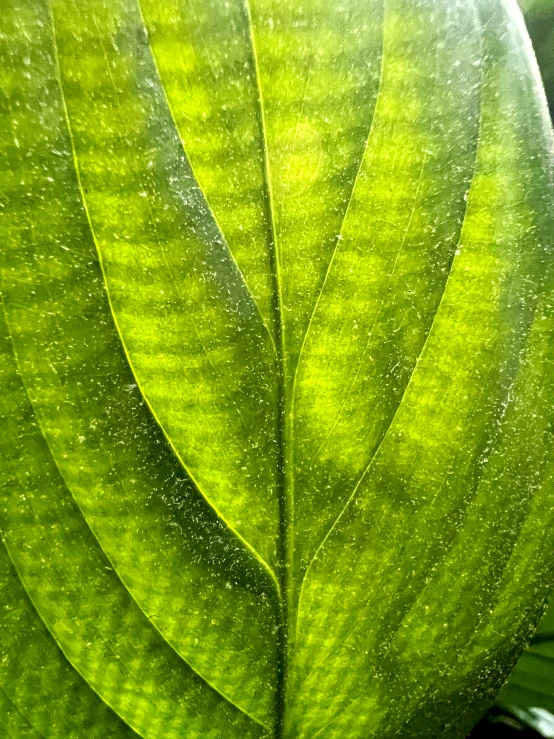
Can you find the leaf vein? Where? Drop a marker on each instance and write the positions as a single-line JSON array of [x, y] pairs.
[[47, 627], [338, 238], [108, 558], [375, 322], [197, 180], [246, 544], [284, 480], [20, 712], [411, 377]]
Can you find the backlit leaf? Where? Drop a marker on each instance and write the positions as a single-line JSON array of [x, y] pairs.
[[277, 331]]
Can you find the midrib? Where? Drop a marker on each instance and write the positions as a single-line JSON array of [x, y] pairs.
[[284, 467]]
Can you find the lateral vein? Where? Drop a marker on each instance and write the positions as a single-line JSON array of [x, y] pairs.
[[197, 180], [244, 542], [20, 712], [414, 369], [108, 558], [338, 238]]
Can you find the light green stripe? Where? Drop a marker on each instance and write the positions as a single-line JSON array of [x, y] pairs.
[[319, 67]]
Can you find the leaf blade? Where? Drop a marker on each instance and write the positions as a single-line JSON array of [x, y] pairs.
[[421, 466]]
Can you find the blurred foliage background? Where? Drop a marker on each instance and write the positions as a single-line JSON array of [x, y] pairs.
[[525, 706], [539, 16]]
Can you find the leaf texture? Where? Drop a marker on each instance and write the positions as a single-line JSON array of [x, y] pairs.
[[276, 358]]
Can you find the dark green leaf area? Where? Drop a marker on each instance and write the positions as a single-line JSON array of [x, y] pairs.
[[276, 365], [41, 695]]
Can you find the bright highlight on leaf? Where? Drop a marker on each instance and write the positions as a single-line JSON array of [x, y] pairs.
[[277, 366]]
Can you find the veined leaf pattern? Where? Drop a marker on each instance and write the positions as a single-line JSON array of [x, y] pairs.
[[276, 353]]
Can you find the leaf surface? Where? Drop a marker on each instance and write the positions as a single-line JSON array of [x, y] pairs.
[[276, 348], [529, 692]]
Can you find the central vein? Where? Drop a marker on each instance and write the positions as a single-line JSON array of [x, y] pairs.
[[283, 421]]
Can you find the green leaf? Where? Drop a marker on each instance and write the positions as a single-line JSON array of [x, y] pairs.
[[277, 331], [529, 692]]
